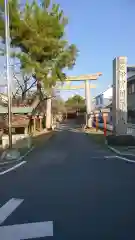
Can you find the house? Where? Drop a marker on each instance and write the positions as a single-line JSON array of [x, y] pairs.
[[26, 116], [104, 100]]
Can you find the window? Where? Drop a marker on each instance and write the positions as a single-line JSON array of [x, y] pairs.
[[129, 89], [133, 87], [13, 130], [101, 99]]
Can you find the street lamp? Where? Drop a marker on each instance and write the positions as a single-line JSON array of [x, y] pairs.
[[7, 43]]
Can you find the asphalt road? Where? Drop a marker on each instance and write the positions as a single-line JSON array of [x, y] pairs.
[[70, 181]]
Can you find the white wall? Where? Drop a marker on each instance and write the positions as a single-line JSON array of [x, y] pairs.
[[103, 99], [108, 93]]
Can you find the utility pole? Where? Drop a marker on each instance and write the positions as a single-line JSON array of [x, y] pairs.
[[7, 43]]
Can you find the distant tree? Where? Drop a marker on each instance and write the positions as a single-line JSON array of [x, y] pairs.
[[58, 105], [37, 31], [76, 100]]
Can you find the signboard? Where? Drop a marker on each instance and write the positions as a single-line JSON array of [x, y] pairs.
[[119, 103]]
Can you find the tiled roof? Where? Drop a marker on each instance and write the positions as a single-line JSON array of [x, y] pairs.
[[131, 78], [130, 68], [17, 121]]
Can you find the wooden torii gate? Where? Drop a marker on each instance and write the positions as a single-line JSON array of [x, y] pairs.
[[87, 86]]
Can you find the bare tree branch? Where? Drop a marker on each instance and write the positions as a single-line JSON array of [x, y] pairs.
[[42, 100], [20, 86], [25, 89]]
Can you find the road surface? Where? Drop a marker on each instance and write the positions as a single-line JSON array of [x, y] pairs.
[[71, 182]]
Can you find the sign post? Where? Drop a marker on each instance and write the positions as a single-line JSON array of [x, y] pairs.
[[119, 104]]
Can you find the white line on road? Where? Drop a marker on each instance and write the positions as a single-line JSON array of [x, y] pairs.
[[125, 159], [27, 231], [22, 157], [120, 153], [12, 168], [17, 165], [7, 209], [104, 157]]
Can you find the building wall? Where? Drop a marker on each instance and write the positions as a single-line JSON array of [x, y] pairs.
[[131, 94], [105, 97], [130, 74]]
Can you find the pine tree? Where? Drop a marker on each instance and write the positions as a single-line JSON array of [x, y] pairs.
[[37, 32]]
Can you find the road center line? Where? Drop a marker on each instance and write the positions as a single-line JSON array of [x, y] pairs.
[[27, 231], [7, 209]]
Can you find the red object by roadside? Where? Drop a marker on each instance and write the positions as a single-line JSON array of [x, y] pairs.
[[104, 126], [96, 123]]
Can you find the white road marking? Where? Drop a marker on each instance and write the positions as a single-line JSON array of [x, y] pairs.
[[12, 168], [120, 153], [22, 157], [122, 158], [114, 150], [110, 157], [104, 157], [125, 159], [22, 231], [7, 209], [17, 165], [27, 231]]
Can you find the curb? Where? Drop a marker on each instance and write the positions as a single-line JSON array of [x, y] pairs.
[[17, 160], [4, 163]]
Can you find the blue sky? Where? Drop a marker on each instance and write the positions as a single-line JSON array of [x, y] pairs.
[[102, 30]]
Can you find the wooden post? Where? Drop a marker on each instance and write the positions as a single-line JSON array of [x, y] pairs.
[[96, 122], [40, 119], [105, 113], [26, 130], [34, 122]]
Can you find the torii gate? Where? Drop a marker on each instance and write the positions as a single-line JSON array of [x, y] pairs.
[[87, 85]]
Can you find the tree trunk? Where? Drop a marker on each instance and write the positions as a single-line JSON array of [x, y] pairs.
[[49, 113]]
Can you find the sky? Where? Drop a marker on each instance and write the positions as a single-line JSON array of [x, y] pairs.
[[101, 30]]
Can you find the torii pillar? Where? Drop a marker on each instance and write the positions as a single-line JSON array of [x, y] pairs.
[[88, 104], [88, 98]]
